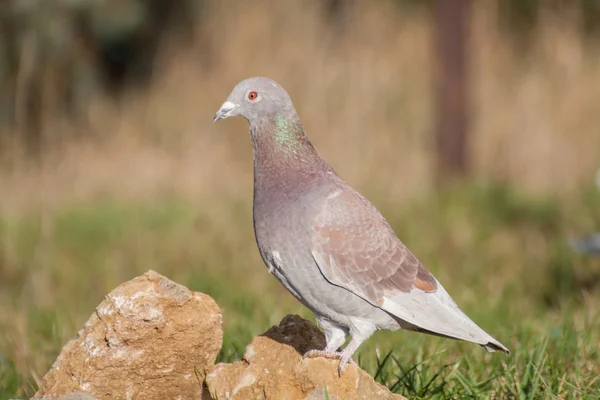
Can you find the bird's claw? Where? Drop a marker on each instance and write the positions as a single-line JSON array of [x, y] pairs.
[[332, 355]]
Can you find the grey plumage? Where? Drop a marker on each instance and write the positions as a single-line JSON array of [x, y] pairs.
[[327, 244], [587, 245]]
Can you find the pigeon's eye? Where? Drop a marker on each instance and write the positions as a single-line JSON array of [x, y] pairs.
[[252, 95]]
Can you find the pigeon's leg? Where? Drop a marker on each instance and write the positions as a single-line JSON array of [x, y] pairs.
[[346, 354], [360, 330], [335, 336]]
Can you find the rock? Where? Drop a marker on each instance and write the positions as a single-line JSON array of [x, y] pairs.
[[72, 396], [273, 368], [149, 339]]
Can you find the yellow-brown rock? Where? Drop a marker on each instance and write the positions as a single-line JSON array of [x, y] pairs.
[[273, 369], [149, 339]]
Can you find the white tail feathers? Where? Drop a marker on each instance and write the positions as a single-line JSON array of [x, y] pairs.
[[438, 314], [496, 346]]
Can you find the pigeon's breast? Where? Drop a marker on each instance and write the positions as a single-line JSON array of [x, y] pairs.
[[283, 228], [281, 218]]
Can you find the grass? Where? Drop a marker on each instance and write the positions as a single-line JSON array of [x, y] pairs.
[[365, 95], [501, 254]]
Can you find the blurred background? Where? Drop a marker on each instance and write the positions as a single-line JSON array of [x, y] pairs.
[[473, 126]]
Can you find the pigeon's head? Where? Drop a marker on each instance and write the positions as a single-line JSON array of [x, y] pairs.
[[255, 99]]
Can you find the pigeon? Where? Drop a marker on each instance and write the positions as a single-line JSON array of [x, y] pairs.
[[327, 244], [591, 244], [587, 245]]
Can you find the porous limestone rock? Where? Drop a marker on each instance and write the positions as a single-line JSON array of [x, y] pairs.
[[72, 396], [149, 339], [273, 368]]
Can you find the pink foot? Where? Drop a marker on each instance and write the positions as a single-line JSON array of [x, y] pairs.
[[332, 355]]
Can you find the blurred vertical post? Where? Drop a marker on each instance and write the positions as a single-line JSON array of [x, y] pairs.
[[451, 24]]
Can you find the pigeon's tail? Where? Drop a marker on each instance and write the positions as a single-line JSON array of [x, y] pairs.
[[437, 314], [491, 346], [495, 346]]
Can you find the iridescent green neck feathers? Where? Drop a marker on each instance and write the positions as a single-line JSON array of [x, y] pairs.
[[289, 135]]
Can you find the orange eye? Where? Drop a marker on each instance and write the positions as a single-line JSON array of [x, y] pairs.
[[252, 96]]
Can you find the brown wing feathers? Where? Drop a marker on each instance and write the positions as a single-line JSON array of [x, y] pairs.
[[362, 253]]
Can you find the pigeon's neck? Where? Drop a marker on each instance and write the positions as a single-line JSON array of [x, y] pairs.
[[283, 154]]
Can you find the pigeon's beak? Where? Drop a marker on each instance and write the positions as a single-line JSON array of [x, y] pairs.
[[224, 111]]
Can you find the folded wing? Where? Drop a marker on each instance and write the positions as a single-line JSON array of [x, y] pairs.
[[355, 248]]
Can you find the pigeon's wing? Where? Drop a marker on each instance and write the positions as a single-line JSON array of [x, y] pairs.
[[355, 248]]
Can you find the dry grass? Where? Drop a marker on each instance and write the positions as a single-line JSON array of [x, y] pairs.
[[365, 97]]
